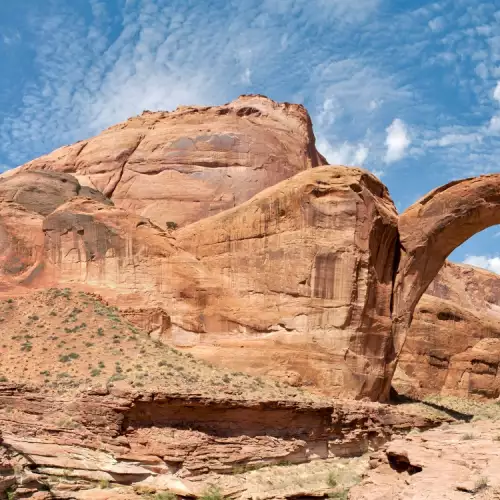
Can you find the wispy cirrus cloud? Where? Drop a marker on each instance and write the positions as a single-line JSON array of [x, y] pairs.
[[154, 54], [357, 70]]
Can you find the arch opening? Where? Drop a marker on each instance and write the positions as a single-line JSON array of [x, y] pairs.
[[429, 231]]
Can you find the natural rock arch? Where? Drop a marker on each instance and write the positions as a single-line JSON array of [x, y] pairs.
[[429, 231]]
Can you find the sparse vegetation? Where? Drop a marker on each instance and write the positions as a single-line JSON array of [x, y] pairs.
[[332, 479], [481, 484], [171, 224], [165, 495], [467, 436], [81, 333], [212, 493], [339, 495], [103, 484]]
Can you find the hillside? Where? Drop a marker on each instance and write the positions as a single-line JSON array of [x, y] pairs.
[[64, 340]]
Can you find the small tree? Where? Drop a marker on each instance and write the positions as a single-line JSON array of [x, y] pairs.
[[171, 224]]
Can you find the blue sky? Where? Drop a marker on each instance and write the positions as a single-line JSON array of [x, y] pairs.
[[406, 89]]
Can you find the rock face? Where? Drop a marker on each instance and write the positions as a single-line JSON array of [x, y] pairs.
[[296, 282], [159, 441], [311, 260], [453, 343], [25, 198], [194, 162]]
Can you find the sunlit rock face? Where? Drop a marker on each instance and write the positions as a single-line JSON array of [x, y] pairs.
[[309, 262], [193, 162]]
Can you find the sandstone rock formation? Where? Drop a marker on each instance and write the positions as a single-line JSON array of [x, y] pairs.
[[312, 260], [452, 346], [157, 441], [315, 290], [25, 198], [193, 162], [429, 231], [313, 279]]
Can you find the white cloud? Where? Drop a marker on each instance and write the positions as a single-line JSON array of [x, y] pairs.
[[397, 141], [496, 92], [345, 11], [11, 38], [494, 125], [170, 52], [436, 24], [246, 78], [344, 154], [327, 113], [489, 263]]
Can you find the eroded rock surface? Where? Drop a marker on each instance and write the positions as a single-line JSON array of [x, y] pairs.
[[157, 441], [454, 341], [193, 162], [295, 283], [311, 259], [429, 231], [313, 279]]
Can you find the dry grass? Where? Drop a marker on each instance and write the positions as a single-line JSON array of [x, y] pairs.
[[64, 340], [331, 476]]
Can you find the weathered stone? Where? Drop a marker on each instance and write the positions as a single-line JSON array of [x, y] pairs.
[[193, 162]]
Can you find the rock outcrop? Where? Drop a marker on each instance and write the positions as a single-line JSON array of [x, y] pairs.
[[312, 260], [196, 161], [453, 343], [69, 444], [429, 231], [296, 282]]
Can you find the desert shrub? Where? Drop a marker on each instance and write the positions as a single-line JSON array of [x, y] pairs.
[[212, 493], [66, 358], [332, 479], [26, 347], [171, 224], [165, 495], [339, 495], [103, 484], [480, 484]]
